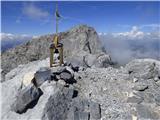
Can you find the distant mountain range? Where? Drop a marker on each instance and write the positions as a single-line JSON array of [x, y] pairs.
[[9, 40]]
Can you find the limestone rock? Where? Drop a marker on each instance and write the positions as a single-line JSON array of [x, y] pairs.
[[144, 69], [26, 99], [100, 60], [57, 106], [66, 76], [103, 60], [42, 75]]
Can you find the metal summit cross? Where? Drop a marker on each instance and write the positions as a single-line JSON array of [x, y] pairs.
[[56, 48]]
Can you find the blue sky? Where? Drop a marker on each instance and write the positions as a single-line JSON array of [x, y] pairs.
[[37, 18]]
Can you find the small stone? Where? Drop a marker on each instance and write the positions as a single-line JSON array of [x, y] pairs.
[[140, 87], [157, 99], [67, 64], [53, 77], [65, 76], [134, 99], [62, 82], [76, 76], [134, 117], [158, 83], [68, 69], [60, 70], [135, 80], [156, 79], [81, 68], [95, 111]]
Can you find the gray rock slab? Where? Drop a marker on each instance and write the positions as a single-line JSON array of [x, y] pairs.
[[58, 105], [145, 69], [26, 98], [65, 76], [42, 75]]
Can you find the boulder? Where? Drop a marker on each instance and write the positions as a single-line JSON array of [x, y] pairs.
[[65, 73], [141, 68], [42, 75], [65, 105], [67, 77], [26, 98], [103, 61], [100, 60], [58, 105]]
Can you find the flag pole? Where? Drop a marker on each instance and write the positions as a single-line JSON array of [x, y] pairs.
[[56, 18]]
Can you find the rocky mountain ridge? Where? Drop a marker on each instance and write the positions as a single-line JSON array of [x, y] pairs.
[[81, 39], [86, 87]]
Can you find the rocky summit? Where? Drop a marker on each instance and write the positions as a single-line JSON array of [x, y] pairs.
[[78, 41], [85, 87]]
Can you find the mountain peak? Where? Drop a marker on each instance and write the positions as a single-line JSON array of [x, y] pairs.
[[79, 39]]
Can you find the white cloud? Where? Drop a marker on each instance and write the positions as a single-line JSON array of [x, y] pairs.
[[135, 43], [134, 33], [151, 25], [12, 37], [34, 12], [102, 33]]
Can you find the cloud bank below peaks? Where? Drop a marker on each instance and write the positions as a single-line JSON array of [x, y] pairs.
[[126, 46]]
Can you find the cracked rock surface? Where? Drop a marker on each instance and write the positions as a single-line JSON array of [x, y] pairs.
[[98, 93]]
